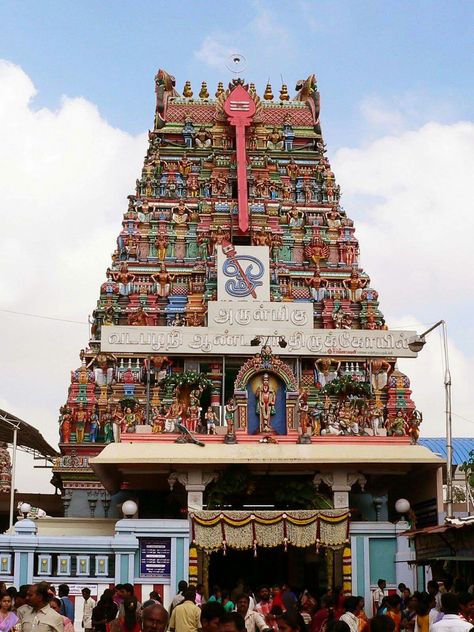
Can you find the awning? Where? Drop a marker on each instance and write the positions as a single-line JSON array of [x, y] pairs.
[[214, 530], [449, 541], [29, 438]]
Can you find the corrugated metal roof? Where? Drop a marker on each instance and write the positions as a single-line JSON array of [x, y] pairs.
[[461, 447]]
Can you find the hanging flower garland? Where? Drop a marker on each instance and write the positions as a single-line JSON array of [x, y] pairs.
[[192, 378]]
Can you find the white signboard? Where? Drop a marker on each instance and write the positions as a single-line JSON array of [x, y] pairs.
[[203, 340], [259, 315], [243, 273]]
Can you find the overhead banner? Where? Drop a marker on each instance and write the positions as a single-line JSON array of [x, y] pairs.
[[204, 340]]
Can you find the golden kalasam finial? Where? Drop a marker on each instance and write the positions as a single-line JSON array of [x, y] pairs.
[[187, 90], [268, 94], [252, 89], [284, 96], [220, 89], [204, 92]]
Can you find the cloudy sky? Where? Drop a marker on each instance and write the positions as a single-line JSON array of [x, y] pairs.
[[77, 99]]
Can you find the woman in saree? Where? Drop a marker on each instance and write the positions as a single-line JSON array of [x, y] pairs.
[[8, 619]]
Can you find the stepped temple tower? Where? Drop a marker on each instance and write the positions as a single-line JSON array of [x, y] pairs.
[[240, 373]]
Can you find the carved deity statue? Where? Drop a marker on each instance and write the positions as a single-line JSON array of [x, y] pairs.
[[355, 284], [107, 422], [81, 417], [65, 419], [266, 398], [180, 213], [275, 139], [211, 420], [230, 409], [174, 415], [163, 281], [317, 285], [303, 410]]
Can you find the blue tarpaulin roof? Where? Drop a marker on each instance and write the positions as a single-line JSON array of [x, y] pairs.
[[461, 447]]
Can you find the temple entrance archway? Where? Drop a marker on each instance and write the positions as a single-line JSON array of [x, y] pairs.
[[299, 567]]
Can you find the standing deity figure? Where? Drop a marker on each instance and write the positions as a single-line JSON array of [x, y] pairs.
[[211, 419], [194, 410], [163, 281], [117, 423], [413, 426], [266, 398], [292, 169], [161, 244], [174, 415], [303, 410], [65, 424], [185, 165], [379, 369], [107, 421], [81, 417], [230, 409], [355, 284], [93, 427], [375, 415]]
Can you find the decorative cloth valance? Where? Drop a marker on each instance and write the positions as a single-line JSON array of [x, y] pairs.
[[213, 530]]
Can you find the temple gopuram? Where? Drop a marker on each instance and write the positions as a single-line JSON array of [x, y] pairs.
[[240, 379]]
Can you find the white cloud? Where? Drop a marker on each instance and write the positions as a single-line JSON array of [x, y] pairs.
[[64, 178], [214, 52], [411, 197]]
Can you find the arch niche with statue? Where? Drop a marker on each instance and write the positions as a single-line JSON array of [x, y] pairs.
[[266, 395]]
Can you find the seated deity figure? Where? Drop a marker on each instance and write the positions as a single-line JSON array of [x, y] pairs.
[[265, 404], [180, 213], [211, 420], [163, 281], [347, 420], [396, 425]]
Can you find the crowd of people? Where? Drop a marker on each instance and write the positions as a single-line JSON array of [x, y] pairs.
[[37, 608]]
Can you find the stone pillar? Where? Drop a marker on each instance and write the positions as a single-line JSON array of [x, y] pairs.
[[406, 570], [215, 375], [340, 482], [25, 545], [195, 483]]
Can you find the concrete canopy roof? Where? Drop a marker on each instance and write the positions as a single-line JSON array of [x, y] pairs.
[[119, 460]]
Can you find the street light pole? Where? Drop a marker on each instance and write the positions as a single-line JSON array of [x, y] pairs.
[[416, 345]]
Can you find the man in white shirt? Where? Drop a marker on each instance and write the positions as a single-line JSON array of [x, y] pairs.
[[89, 605], [451, 622], [349, 616], [254, 621], [379, 593]]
